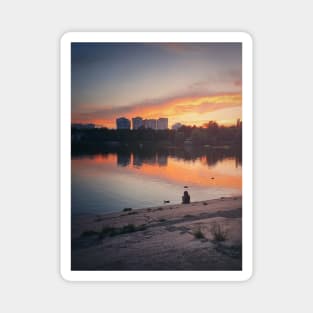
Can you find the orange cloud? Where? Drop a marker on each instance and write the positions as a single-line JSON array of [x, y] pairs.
[[176, 109]]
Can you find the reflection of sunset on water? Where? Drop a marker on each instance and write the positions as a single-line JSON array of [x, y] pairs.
[[196, 173]]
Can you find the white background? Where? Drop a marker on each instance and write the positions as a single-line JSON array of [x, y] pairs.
[[29, 157]]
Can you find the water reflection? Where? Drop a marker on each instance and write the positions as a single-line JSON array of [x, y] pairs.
[[127, 156], [138, 158], [123, 159], [114, 179], [162, 160]]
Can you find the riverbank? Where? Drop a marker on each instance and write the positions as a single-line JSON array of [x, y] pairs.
[[204, 235]]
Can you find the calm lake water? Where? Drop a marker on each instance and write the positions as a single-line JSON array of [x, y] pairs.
[[112, 181]]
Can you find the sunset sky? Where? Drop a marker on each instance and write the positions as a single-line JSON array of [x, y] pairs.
[[190, 83]]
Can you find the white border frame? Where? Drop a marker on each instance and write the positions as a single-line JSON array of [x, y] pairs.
[[65, 159]]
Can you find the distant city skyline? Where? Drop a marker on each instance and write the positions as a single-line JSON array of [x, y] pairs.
[[139, 122], [190, 83]]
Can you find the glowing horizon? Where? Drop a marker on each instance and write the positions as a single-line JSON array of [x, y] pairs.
[[189, 84]]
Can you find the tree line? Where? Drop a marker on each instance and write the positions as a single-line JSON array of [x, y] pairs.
[[211, 134]]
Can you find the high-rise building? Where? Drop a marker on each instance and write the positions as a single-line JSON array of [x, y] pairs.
[[137, 122], [162, 123], [122, 123], [151, 123]]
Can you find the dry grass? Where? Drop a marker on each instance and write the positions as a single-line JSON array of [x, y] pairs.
[[198, 234], [108, 231], [218, 233]]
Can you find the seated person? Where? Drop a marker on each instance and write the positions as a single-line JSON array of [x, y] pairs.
[[186, 197]]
